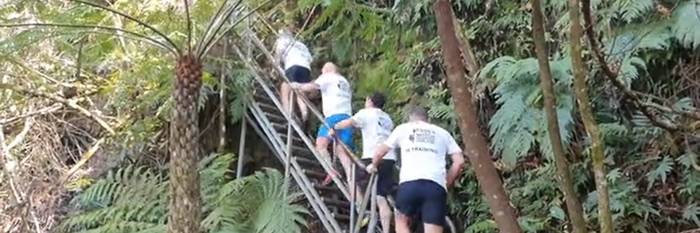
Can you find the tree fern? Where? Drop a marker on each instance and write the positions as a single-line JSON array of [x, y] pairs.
[[629, 10], [660, 172], [686, 28], [519, 122], [134, 199]]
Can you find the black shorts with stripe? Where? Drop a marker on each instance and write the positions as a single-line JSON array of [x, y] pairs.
[[423, 198], [385, 177]]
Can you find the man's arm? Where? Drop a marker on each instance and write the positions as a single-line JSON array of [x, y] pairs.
[[379, 154], [306, 87], [455, 169], [347, 123]]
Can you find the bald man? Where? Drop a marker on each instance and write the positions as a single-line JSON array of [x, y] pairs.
[[336, 98]]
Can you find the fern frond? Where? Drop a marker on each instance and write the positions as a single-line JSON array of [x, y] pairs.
[[686, 28], [629, 10]]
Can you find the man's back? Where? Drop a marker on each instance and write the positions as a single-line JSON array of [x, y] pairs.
[[336, 95], [293, 52], [424, 148], [376, 127]]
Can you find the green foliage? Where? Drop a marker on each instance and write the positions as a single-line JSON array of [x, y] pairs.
[[519, 123], [660, 172], [135, 199], [629, 10], [686, 27]]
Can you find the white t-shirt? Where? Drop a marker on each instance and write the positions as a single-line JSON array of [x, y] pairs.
[[336, 95], [424, 148], [376, 127], [293, 53]]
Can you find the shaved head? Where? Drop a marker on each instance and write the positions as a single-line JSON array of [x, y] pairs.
[[329, 67]]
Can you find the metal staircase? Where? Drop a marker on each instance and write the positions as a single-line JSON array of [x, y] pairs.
[[307, 167]]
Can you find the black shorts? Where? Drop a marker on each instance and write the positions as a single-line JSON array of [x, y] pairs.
[[425, 197], [298, 74], [385, 177]]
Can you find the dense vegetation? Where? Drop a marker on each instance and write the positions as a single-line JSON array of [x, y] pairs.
[[80, 95]]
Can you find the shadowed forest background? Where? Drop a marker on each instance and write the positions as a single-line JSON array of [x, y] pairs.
[[85, 111]]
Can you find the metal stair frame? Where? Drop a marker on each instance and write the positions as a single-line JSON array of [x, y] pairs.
[[275, 140]]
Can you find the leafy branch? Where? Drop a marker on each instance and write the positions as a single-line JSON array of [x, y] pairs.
[[159, 33], [612, 75], [71, 103], [218, 22], [207, 48], [138, 36]]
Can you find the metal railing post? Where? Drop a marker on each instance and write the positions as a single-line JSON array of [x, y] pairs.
[[353, 194], [373, 209], [290, 110], [241, 147], [365, 200]]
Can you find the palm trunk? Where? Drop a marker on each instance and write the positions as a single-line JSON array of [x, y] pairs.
[[185, 203], [565, 181], [584, 105], [475, 144]]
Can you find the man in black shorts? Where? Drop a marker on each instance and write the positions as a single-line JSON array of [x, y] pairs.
[[376, 126], [296, 60], [423, 179]]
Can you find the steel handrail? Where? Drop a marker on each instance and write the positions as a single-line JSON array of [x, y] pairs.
[[356, 162], [324, 163], [300, 94], [295, 174], [313, 196]]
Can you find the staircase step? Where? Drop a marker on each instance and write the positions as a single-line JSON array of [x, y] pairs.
[[305, 162], [269, 108], [264, 99], [341, 217], [327, 189], [295, 140], [315, 174], [276, 117], [336, 203]]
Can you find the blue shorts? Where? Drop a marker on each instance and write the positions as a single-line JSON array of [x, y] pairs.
[[345, 135], [424, 198]]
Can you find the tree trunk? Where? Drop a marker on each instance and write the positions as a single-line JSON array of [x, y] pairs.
[[185, 203], [222, 104], [565, 181], [475, 144], [584, 105]]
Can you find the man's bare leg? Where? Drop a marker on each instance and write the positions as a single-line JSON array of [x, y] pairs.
[[303, 109], [384, 214], [285, 96], [322, 147], [344, 160], [432, 228], [402, 222]]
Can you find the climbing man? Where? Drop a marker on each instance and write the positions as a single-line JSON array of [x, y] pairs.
[[336, 97], [296, 60], [423, 179], [376, 126]]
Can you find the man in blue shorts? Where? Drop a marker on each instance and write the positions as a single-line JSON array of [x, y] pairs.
[[336, 98], [423, 179]]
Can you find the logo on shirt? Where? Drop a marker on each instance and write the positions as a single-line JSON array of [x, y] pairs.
[[422, 136]]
